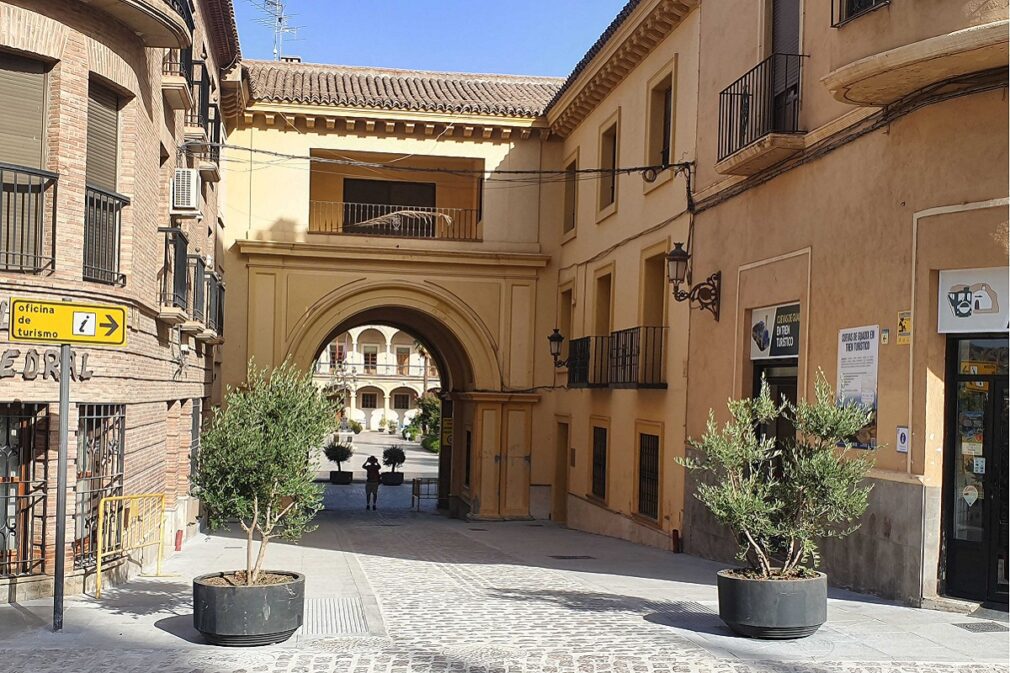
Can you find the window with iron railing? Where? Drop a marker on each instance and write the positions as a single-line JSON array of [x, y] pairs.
[[214, 151], [174, 286], [587, 362], [648, 475], [599, 484], [24, 447], [199, 115], [636, 357], [843, 11], [100, 442], [184, 9], [179, 63], [197, 285], [763, 101], [27, 219], [103, 219]]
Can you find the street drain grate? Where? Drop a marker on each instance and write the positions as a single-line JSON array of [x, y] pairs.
[[535, 525], [333, 616], [480, 529], [571, 557], [983, 627]]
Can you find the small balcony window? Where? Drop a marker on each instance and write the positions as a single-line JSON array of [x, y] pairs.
[[843, 11], [765, 100]]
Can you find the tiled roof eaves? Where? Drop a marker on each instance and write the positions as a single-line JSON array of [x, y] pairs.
[[598, 46]]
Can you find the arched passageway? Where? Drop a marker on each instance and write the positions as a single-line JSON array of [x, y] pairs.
[[484, 466]]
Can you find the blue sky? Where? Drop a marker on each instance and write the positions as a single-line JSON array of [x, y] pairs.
[[528, 37]]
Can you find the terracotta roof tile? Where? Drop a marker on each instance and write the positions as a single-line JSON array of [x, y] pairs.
[[389, 89]]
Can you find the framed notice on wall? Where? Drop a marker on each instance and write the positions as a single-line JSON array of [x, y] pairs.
[[775, 332], [858, 356]]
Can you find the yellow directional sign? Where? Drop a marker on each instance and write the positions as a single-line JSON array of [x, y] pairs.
[[62, 322]]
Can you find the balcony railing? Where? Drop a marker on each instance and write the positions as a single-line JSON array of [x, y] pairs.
[[215, 134], [103, 214], [215, 303], [636, 357], [174, 286], [393, 370], [196, 276], [199, 115], [846, 10], [377, 219], [765, 100], [185, 10], [179, 62], [27, 219], [587, 362]]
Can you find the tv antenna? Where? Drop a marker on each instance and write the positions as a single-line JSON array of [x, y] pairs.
[[276, 18]]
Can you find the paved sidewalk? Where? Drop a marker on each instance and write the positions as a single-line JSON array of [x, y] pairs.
[[394, 590]]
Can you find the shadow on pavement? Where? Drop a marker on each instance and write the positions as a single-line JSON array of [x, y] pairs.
[[181, 626]]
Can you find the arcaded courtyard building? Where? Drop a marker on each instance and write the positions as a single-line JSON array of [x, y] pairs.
[[109, 195]]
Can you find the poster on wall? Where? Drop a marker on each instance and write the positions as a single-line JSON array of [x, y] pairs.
[[858, 354], [775, 332], [973, 300]]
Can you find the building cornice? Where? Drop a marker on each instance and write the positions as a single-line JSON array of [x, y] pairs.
[[637, 35]]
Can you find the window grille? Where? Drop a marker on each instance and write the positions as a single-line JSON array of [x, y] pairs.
[[600, 462], [24, 443], [27, 219], [648, 475], [103, 216], [101, 431], [843, 11]]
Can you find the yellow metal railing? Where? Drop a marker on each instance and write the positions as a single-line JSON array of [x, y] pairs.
[[127, 523]]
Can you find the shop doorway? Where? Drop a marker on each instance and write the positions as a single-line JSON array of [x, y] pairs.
[[781, 376], [976, 472]]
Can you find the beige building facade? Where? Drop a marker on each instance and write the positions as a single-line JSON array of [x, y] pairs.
[[108, 111], [836, 172]]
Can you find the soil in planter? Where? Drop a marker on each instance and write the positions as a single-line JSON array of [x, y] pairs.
[[752, 574], [238, 580]]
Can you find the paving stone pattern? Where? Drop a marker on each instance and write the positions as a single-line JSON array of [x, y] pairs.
[[450, 603]]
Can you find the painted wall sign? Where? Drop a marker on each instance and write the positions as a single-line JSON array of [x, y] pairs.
[[44, 365], [775, 332], [858, 355], [904, 328], [974, 300]]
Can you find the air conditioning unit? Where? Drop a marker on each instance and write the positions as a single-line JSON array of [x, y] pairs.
[[186, 192]]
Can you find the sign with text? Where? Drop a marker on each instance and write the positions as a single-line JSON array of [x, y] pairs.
[[858, 355], [60, 322], [775, 332], [974, 300]]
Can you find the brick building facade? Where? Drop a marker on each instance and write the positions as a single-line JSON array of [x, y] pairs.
[[112, 99]]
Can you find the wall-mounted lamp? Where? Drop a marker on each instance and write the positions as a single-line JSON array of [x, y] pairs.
[[555, 340], [704, 295]]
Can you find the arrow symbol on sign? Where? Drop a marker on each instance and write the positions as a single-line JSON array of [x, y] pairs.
[[111, 326]]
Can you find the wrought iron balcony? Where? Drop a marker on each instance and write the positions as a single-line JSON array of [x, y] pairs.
[[196, 279], [215, 304], [158, 23], [394, 221], [198, 117], [27, 219], [103, 213], [587, 362], [184, 9], [766, 100], [636, 358], [179, 63], [174, 286]]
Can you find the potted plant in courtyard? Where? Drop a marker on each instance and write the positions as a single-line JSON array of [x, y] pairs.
[[779, 500], [393, 457], [339, 453], [356, 426], [255, 467]]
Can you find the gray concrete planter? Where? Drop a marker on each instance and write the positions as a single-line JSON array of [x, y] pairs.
[[773, 609], [392, 478], [341, 477], [239, 616]]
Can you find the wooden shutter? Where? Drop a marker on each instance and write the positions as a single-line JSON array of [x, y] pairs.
[[103, 137], [23, 92]]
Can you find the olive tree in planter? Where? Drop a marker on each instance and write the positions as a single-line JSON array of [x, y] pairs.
[[779, 501], [255, 466], [393, 457], [339, 453]]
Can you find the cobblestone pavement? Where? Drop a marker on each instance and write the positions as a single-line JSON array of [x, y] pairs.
[[447, 598]]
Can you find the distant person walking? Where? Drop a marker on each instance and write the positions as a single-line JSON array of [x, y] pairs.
[[372, 470]]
